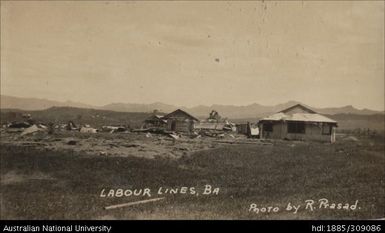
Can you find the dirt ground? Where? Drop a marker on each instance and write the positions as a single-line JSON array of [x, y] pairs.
[[140, 145], [65, 175]]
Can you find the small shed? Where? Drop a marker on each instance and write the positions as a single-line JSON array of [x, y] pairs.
[[180, 121], [242, 128], [298, 123], [249, 129]]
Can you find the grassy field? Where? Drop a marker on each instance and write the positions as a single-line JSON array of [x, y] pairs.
[[43, 184]]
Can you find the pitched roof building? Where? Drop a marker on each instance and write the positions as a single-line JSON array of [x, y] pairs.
[[180, 121], [298, 123]]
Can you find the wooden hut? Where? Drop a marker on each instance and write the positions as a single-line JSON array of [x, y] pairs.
[[180, 121]]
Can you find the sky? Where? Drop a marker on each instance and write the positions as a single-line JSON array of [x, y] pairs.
[[321, 53]]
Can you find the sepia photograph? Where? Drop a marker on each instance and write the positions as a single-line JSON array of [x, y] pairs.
[[191, 110]]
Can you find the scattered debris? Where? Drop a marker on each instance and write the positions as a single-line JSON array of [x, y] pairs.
[[19, 125], [71, 141], [88, 130], [71, 126], [174, 136], [32, 129], [182, 148], [42, 126], [221, 135], [26, 116], [113, 129], [195, 135], [131, 145]]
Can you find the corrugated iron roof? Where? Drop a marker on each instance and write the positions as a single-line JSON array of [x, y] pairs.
[[308, 117], [180, 111], [305, 108], [289, 114]]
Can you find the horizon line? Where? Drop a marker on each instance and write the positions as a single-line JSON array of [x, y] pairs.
[[194, 106]]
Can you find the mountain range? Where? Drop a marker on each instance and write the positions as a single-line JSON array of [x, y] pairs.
[[230, 111]]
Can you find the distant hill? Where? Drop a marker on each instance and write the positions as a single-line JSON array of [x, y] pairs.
[[257, 110], [230, 111], [355, 121], [120, 107], [346, 110], [35, 103]]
